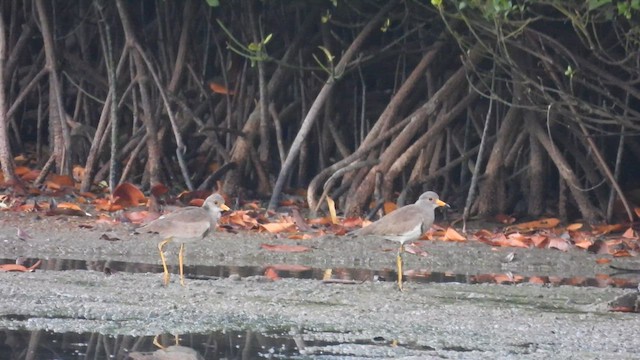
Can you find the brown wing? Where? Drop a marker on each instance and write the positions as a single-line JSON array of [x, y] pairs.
[[189, 222]]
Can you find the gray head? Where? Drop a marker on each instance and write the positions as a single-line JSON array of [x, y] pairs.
[[214, 204], [431, 199]]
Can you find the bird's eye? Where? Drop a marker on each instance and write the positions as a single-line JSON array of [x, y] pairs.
[[430, 199]]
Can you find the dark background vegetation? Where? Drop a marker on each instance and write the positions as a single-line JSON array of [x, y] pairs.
[[531, 105]]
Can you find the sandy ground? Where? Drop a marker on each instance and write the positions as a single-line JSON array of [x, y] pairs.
[[427, 320]]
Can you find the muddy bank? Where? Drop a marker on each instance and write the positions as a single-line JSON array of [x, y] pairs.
[[441, 320]]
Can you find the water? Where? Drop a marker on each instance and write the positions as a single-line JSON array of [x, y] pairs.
[[343, 275]]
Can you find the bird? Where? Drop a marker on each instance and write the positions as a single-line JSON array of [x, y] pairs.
[[407, 223], [185, 224]]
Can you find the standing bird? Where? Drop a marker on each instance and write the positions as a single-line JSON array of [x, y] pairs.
[[189, 223], [407, 223]]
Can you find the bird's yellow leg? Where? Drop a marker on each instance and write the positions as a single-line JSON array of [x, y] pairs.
[[399, 263], [157, 343], [166, 276], [181, 261]]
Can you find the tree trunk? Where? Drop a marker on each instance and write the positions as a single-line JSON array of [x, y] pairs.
[[6, 157], [60, 140], [314, 111], [153, 144], [586, 208], [401, 142]]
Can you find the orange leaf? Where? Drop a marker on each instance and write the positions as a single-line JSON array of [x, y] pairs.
[[583, 243], [629, 234], [452, 235], [60, 180], [31, 175], [539, 241], [547, 223], [13, 267], [628, 309], [603, 261], [352, 222], [127, 194], [284, 248], [637, 211], [220, 89], [20, 267], [240, 218], [21, 170], [68, 205], [275, 228], [320, 221], [574, 227], [271, 273], [537, 280], [605, 229], [389, 207], [622, 253], [107, 205], [158, 190], [518, 240], [507, 278]]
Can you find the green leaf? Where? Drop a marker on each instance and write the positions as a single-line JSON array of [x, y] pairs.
[[436, 3], [386, 25], [213, 3], [327, 53], [569, 72], [254, 47], [326, 17]]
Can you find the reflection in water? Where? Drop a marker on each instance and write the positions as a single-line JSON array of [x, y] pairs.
[[36, 345], [338, 275], [248, 344]]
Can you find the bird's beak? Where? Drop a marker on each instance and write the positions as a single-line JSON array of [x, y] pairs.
[[224, 207], [442, 203]]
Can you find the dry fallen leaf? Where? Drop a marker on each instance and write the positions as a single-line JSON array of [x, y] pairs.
[[622, 253], [127, 194], [574, 227], [389, 207], [606, 229], [275, 228], [629, 234], [20, 267], [271, 273], [452, 235], [220, 89], [546, 223]]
